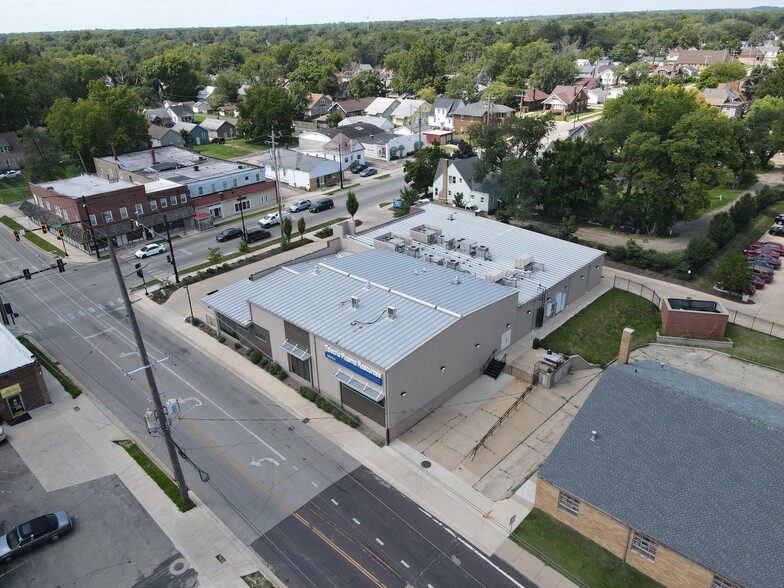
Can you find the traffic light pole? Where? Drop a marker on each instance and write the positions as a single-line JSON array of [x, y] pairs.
[[171, 251], [162, 420], [92, 230]]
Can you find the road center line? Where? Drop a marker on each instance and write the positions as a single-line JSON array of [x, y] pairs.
[[379, 541], [404, 563], [335, 502], [356, 521]]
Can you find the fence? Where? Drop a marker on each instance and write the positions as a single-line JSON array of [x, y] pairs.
[[736, 317]]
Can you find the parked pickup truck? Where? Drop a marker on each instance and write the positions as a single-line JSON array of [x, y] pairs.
[[272, 219]]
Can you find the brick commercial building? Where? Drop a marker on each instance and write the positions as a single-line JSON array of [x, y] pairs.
[[22, 386], [676, 475]]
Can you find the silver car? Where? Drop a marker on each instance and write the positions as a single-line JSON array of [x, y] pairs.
[[43, 529]]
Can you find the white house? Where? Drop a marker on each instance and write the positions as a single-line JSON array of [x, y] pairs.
[[204, 94], [455, 176], [300, 170], [606, 75], [442, 115], [383, 107], [377, 121]]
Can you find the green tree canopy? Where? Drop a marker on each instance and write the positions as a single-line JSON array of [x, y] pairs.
[[265, 108], [172, 75], [420, 171], [423, 65], [365, 84]]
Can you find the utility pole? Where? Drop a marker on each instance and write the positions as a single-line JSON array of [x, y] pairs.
[[277, 180], [92, 229], [171, 250], [340, 159], [164, 423]]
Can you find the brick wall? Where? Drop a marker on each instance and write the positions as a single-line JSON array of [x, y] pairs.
[[31, 380], [671, 568]]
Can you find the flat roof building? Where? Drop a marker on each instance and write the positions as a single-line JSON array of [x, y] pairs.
[[22, 386]]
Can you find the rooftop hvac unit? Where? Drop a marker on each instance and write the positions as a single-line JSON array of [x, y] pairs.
[[513, 282], [494, 276], [523, 260], [483, 252], [355, 302], [400, 247], [450, 244], [414, 250], [466, 245], [452, 264], [391, 312], [438, 260], [428, 257]]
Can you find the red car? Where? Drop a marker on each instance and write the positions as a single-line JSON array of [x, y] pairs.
[[750, 289], [777, 247], [758, 282]]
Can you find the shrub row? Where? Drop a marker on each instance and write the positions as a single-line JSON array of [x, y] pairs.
[[158, 476], [328, 406], [324, 233], [66, 382], [272, 367]]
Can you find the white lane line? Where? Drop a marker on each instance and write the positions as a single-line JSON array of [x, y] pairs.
[[429, 586], [404, 563], [296, 469], [314, 484], [448, 530], [480, 554], [257, 462], [356, 521], [427, 513], [379, 541], [335, 502], [99, 333]]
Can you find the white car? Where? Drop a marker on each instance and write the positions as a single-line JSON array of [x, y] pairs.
[[303, 204], [272, 219], [2, 435], [11, 173], [151, 249]]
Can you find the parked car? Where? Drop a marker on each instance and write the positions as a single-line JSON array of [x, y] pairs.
[[11, 173], [323, 204], [303, 204], [47, 528], [228, 235], [772, 261], [356, 167], [253, 235], [769, 251], [371, 171], [776, 230], [2, 435], [780, 218], [762, 272], [472, 208], [272, 219], [219, 140], [150, 249], [778, 247], [758, 282]]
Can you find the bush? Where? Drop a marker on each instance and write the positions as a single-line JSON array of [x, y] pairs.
[[255, 356], [324, 233], [743, 211], [503, 216], [237, 346], [721, 229], [328, 406], [699, 251], [221, 339]]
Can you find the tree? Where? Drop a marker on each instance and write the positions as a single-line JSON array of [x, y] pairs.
[[333, 119], [573, 173], [624, 52], [724, 72], [743, 211], [423, 65], [171, 75], [261, 69], [734, 271], [90, 126], [420, 171], [495, 149], [301, 227], [525, 133], [551, 71], [755, 78], [42, 155], [699, 251], [214, 255], [635, 73], [365, 84], [721, 229], [500, 93], [265, 108], [352, 204], [428, 94], [496, 59], [286, 232], [187, 138], [243, 247], [461, 86], [568, 228], [520, 185], [227, 87], [765, 128]]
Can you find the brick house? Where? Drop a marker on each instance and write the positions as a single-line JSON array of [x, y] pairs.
[[699, 59], [531, 100], [22, 386], [479, 113], [11, 151], [674, 474], [566, 100]]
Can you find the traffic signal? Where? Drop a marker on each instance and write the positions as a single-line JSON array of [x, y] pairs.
[[139, 271], [168, 259], [44, 228], [89, 234], [17, 235], [60, 264], [133, 224], [61, 232], [26, 273]]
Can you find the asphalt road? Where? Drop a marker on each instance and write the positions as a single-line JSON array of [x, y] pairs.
[[266, 469]]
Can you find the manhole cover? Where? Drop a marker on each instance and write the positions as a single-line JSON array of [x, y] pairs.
[[178, 566], [426, 464]]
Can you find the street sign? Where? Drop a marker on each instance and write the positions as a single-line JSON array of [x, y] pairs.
[[57, 226]]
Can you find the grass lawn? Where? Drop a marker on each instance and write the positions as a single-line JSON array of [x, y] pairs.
[[591, 564], [755, 346], [721, 196], [158, 476], [595, 332], [232, 148], [39, 242], [384, 177], [14, 190]]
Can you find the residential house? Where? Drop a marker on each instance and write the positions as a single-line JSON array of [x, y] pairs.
[[728, 99], [456, 176], [352, 108], [212, 185], [383, 107], [344, 150], [387, 146], [668, 71], [480, 113], [442, 114], [219, 128], [165, 136], [200, 135], [318, 105], [377, 143], [204, 94], [315, 139], [606, 75], [11, 151], [22, 385], [531, 100], [588, 83], [158, 116], [201, 107], [410, 112], [300, 170], [382, 123], [675, 475], [699, 59], [566, 100], [228, 110], [181, 114], [757, 56], [599, 96]]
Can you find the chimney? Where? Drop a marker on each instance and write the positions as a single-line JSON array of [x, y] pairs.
[[152, 156], [626, 345], [444, 180], [114, 151]]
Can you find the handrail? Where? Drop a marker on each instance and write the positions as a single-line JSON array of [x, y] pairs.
[[489, 361]]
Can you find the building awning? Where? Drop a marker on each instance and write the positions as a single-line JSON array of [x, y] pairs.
[[292, 349], [357, 385]]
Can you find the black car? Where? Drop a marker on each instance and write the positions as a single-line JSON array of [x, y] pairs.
[[228, 234], [323, 204], [355, 169], [219, 140], [253, 235], [780, 218]]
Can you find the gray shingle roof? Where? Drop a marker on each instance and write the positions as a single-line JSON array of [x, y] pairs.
[[692, 463], [481, 108]]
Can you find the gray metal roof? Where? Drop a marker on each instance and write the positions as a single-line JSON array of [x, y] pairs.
[[691, 463], [316, 296], [13, 354], [560, 258], [481, 108], [85, 185]]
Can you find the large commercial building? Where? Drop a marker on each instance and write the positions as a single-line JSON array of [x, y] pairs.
[[407, 314], [676, 475]]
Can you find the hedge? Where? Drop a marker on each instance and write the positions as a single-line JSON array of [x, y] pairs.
[[329, 406]]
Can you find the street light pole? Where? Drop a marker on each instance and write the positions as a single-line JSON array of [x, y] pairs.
[[340, 163], [92, 229], [241, 200], [162, 420], [171, 250]]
